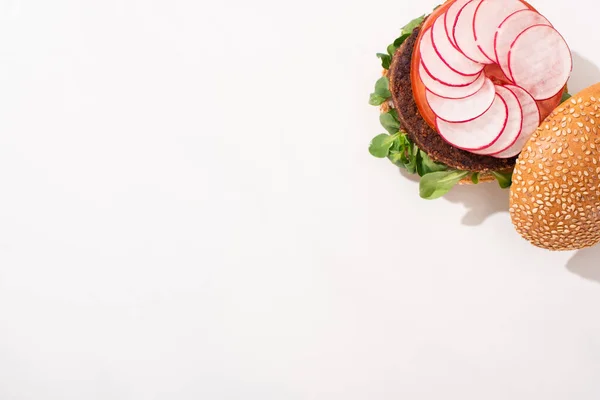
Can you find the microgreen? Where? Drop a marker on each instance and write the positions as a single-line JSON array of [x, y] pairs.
[[386, 60], [376, 100], [425, 165], [408, 28], [406, 31], [437, 184], [504, 178], [390, 123], [381, 144], [381, 92]]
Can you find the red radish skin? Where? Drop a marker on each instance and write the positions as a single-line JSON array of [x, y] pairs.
[[514, 123], [450, 18], [464, 36], [449, 92], [540, 61], [479, 133], [531, 121], [463, 110], [508, 31], [491, 71], [437, 68], [488, 16], [449, 54]]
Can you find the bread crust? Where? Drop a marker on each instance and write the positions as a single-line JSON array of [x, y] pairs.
[[555, 194]]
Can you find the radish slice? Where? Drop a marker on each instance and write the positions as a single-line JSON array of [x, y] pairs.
[[437, 68], [450, 18], [540, 61], [463, 110], [449, 54], [464, 36], [508, 31], [514, 123], [531, 121], [479, 133], [488, 16], [450, 92]]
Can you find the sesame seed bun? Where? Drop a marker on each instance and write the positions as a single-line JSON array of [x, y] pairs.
[[555, 194]]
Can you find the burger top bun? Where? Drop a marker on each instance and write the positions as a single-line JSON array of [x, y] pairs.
[[555, 195]]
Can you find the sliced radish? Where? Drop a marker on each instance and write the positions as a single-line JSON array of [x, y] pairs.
[[462, 110], [479, 133], [464, 36], [437, 68], [449, 54], [531, 121], [450, 92], [508, 31], [540, 61], [450, 18], [488, 16], [514, 123]]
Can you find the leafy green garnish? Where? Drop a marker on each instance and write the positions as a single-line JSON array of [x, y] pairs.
[[397, 157], [566, 96], [376, 100], [475, 178], [386, 59], [381, 93], [410, 162], [390, 123], [400, 153], [437, 184], [398, 42], [382, 87], [504, 178], [391, 49], [426, 165], [408, 28], [381, 144]]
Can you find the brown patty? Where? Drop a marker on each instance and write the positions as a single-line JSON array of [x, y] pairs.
[[419, 131]]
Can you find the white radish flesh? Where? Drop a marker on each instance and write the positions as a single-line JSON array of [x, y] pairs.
[[464, 35], [450, 18], [540, 61], [450, 92], [488, 16], [531, 121], [449, 54], [462, 110], [437, 68], [508, 31], [479, 133], [514, 123]]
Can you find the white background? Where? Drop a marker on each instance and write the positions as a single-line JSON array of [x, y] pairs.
[[188, 211]]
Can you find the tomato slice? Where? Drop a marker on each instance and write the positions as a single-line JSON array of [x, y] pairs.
[[492, 71]]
